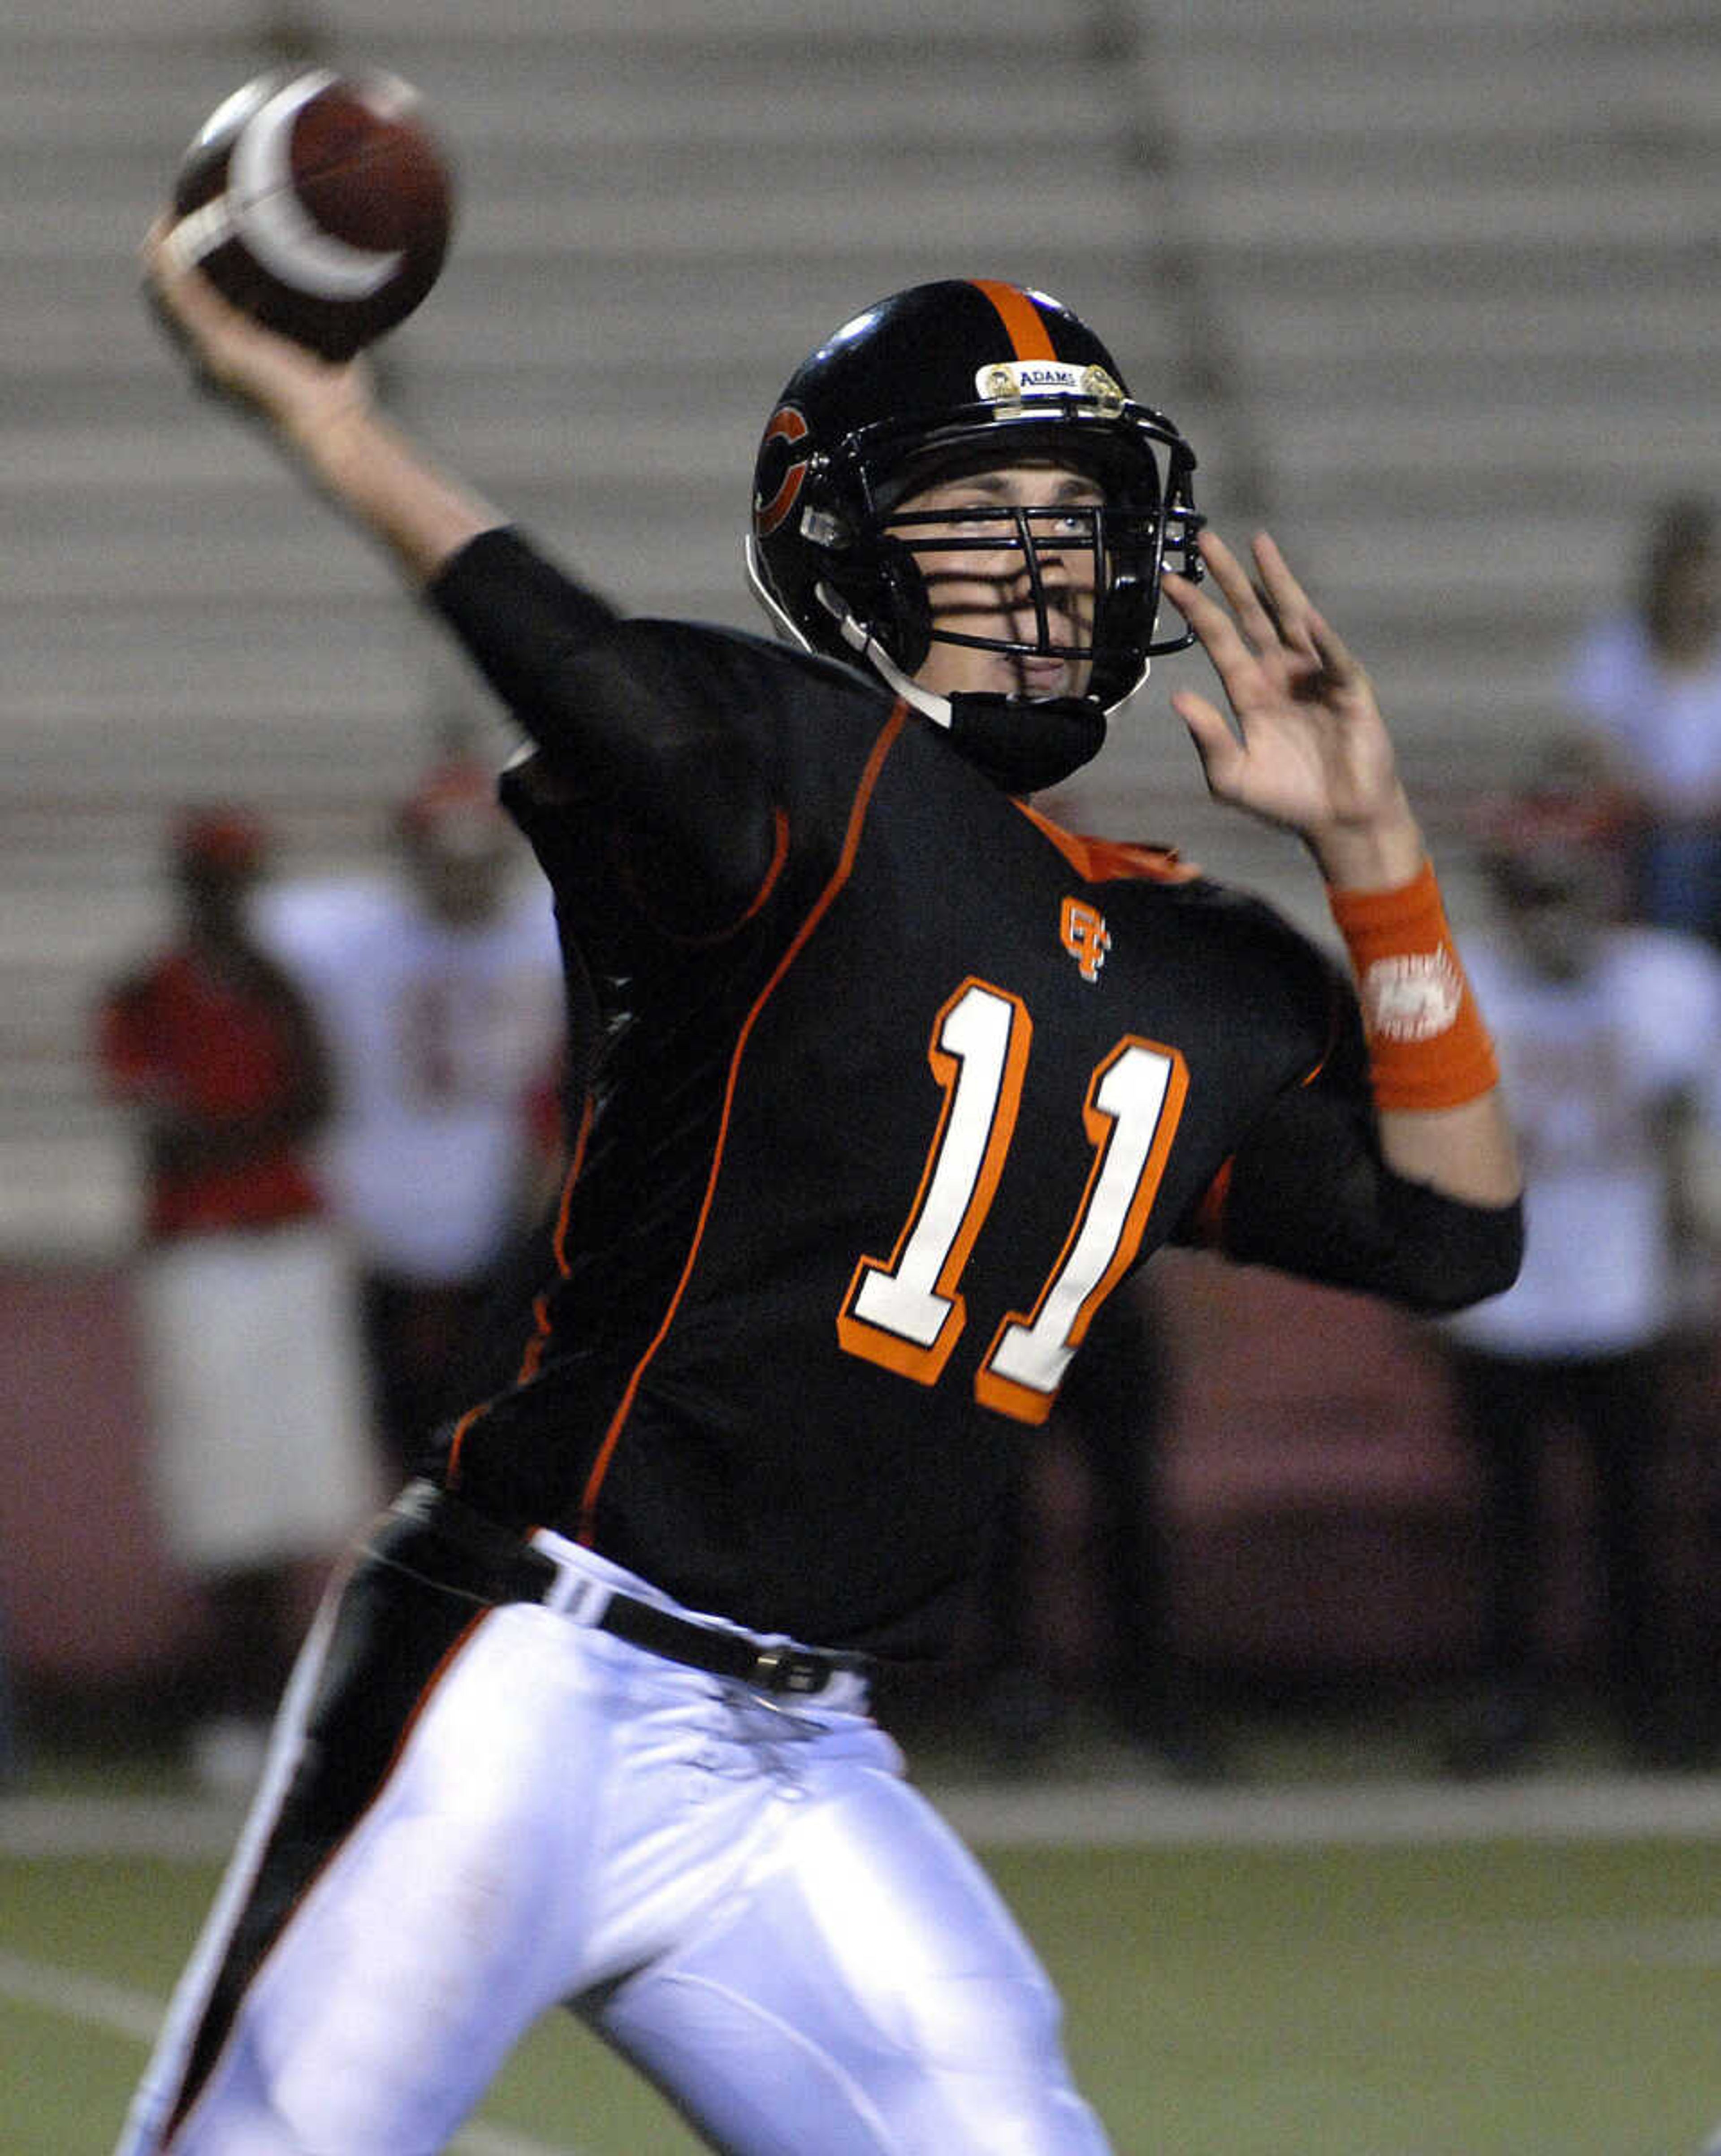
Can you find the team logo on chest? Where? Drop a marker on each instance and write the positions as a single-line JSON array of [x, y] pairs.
[[1082, 930]]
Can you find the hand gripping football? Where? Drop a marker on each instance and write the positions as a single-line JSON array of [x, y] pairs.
[[318, 203]]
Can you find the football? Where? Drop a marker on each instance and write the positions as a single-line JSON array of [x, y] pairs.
[[318, 204]]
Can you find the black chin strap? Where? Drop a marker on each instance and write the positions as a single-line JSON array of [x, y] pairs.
[[1022, 744]]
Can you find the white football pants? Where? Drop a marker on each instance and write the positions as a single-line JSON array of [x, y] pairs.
[[742, 1896]]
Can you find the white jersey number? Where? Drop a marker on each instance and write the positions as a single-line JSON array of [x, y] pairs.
[[907, 1313]]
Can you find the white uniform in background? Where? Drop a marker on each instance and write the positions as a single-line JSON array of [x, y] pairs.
[[438, 1036], [1590, 1061]]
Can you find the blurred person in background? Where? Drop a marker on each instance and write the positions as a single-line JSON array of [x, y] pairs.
[[1610, 1034], [260, 1462], [1114, 1403], [1647, 683], [439, 992]]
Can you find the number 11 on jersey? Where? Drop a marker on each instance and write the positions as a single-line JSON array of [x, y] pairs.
[[907, 1313]]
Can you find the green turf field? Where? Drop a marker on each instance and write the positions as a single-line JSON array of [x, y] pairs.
[[1423, 1992]]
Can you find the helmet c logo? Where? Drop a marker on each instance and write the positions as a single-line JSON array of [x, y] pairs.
[[788, 427]]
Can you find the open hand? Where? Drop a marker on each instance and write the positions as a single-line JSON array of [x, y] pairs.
[[1308, 748]]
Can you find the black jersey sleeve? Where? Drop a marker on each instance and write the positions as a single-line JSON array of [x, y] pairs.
[[1309, 1193], [620, 723]]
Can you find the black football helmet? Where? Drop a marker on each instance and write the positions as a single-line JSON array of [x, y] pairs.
[[938, 379]]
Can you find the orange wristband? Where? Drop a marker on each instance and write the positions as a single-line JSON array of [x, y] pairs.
[[1428, 1047]]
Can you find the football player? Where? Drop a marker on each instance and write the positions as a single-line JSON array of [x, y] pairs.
[[895, 1081]]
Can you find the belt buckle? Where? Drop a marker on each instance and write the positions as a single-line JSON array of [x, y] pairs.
[[788, 1669], [575, 1596]]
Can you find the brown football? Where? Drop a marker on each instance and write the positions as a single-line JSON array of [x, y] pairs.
[[318, 204]]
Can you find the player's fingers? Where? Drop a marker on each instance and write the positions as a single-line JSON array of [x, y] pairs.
[[1215, 743], [177, 294], [1337, 661], [1253, 617], [230, 355], [161, 297], [170, 268], [173, 269], [1221, 637], [168, 264], [151, 267], [1283, 595]]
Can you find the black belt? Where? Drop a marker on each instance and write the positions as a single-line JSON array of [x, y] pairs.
[[449, 1542]]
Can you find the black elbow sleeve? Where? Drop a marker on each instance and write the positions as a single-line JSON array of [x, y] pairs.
[[1448, 1254], [1311, 1195], [615, 713]]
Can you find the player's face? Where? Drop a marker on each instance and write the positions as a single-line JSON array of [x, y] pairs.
[[983, 584]]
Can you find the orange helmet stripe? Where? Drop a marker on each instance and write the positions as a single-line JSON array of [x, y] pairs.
[[1020, 317]]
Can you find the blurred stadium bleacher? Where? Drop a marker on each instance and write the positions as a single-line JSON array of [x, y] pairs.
[[1434, 291]]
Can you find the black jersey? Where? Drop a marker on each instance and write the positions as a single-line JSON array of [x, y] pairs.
[[865, 1143]]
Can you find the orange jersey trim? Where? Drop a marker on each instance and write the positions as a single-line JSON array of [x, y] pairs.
[[536, 1346], [1112, 860], [540, 1341], [1210, 1214], [541, 1303], [588, 1109], [779, 855], [773, 868], [845, 865]]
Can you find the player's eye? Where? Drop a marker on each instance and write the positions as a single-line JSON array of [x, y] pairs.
[[1075, 522]]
